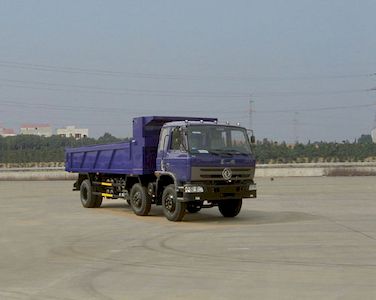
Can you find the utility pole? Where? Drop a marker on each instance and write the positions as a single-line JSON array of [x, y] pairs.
[[251, 113], [296, 127], [373, 130]]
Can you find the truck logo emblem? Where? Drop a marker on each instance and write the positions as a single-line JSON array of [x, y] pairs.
[[226, 173]]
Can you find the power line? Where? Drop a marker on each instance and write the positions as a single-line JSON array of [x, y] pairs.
[[164, 76], [309, 93], [22, 103], [164, 93], [327, 108], [84, 108], [117, 91]]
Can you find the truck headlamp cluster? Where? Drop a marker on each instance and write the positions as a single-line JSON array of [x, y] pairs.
[[193, 189], [252, 187]]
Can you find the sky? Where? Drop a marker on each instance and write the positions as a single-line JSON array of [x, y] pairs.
[[308, 66]]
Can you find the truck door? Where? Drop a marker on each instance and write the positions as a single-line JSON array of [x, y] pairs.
[[162, 148], [175, 158], [177, 155]]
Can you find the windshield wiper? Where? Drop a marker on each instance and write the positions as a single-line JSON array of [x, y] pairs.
[[215, 152], [233, 151], [220, 152]]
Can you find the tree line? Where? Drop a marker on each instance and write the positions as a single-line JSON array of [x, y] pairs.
[[358, 151], [37, 149], [32, 148]]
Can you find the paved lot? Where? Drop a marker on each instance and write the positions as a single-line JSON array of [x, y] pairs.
[[303, 238]]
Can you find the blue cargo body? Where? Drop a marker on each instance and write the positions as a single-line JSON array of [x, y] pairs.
[[137, 157], [114, 158]]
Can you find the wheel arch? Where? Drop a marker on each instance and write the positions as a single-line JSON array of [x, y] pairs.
[[164, 179], [80, 179]]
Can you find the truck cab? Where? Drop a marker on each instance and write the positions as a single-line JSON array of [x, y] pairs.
[[209, 164]]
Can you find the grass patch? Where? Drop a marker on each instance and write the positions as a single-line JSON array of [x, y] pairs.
[[349, 172]]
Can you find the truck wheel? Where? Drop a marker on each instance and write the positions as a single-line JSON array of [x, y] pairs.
[[173, 210], [230, 208], [193, 207], [140, 200], [89, 200]]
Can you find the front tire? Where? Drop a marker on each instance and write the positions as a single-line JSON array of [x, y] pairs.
[[140, 200], [88, 199], [173, 210], [230, 208]]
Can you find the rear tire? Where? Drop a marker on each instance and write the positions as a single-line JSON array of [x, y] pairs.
[[140, 200], [230, 208], [173, 210], [89, 200]]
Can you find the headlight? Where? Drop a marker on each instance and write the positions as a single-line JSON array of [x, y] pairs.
[[252, 187], [193, 189]]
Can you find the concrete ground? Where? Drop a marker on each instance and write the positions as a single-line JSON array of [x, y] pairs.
[[303, 238]]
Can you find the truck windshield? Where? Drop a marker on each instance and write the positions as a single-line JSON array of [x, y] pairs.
[[218, 140]]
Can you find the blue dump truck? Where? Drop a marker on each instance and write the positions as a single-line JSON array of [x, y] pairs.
[[181, 163]]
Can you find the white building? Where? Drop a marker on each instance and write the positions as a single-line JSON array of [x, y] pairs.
[[36, 129], [4, 132], [373, 135], [72, 131]]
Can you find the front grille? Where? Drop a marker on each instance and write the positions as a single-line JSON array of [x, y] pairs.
[[215, 174]]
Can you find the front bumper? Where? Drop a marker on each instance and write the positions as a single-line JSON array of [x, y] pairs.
[[220, 192]]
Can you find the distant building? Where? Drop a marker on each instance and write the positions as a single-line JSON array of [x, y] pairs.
[[4, 132], [373, 135], [36, 129], [72, 131]]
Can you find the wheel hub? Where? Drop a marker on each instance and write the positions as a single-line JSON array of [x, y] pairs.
[[137, 199], [169, 203]]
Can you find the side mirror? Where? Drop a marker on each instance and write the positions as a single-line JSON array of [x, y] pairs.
[[252, 138]]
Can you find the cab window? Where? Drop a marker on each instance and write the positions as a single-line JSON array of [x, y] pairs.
[[163, 139], [177, 140]]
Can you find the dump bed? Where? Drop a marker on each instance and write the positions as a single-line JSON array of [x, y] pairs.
[[112, 158], [137, 156]]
